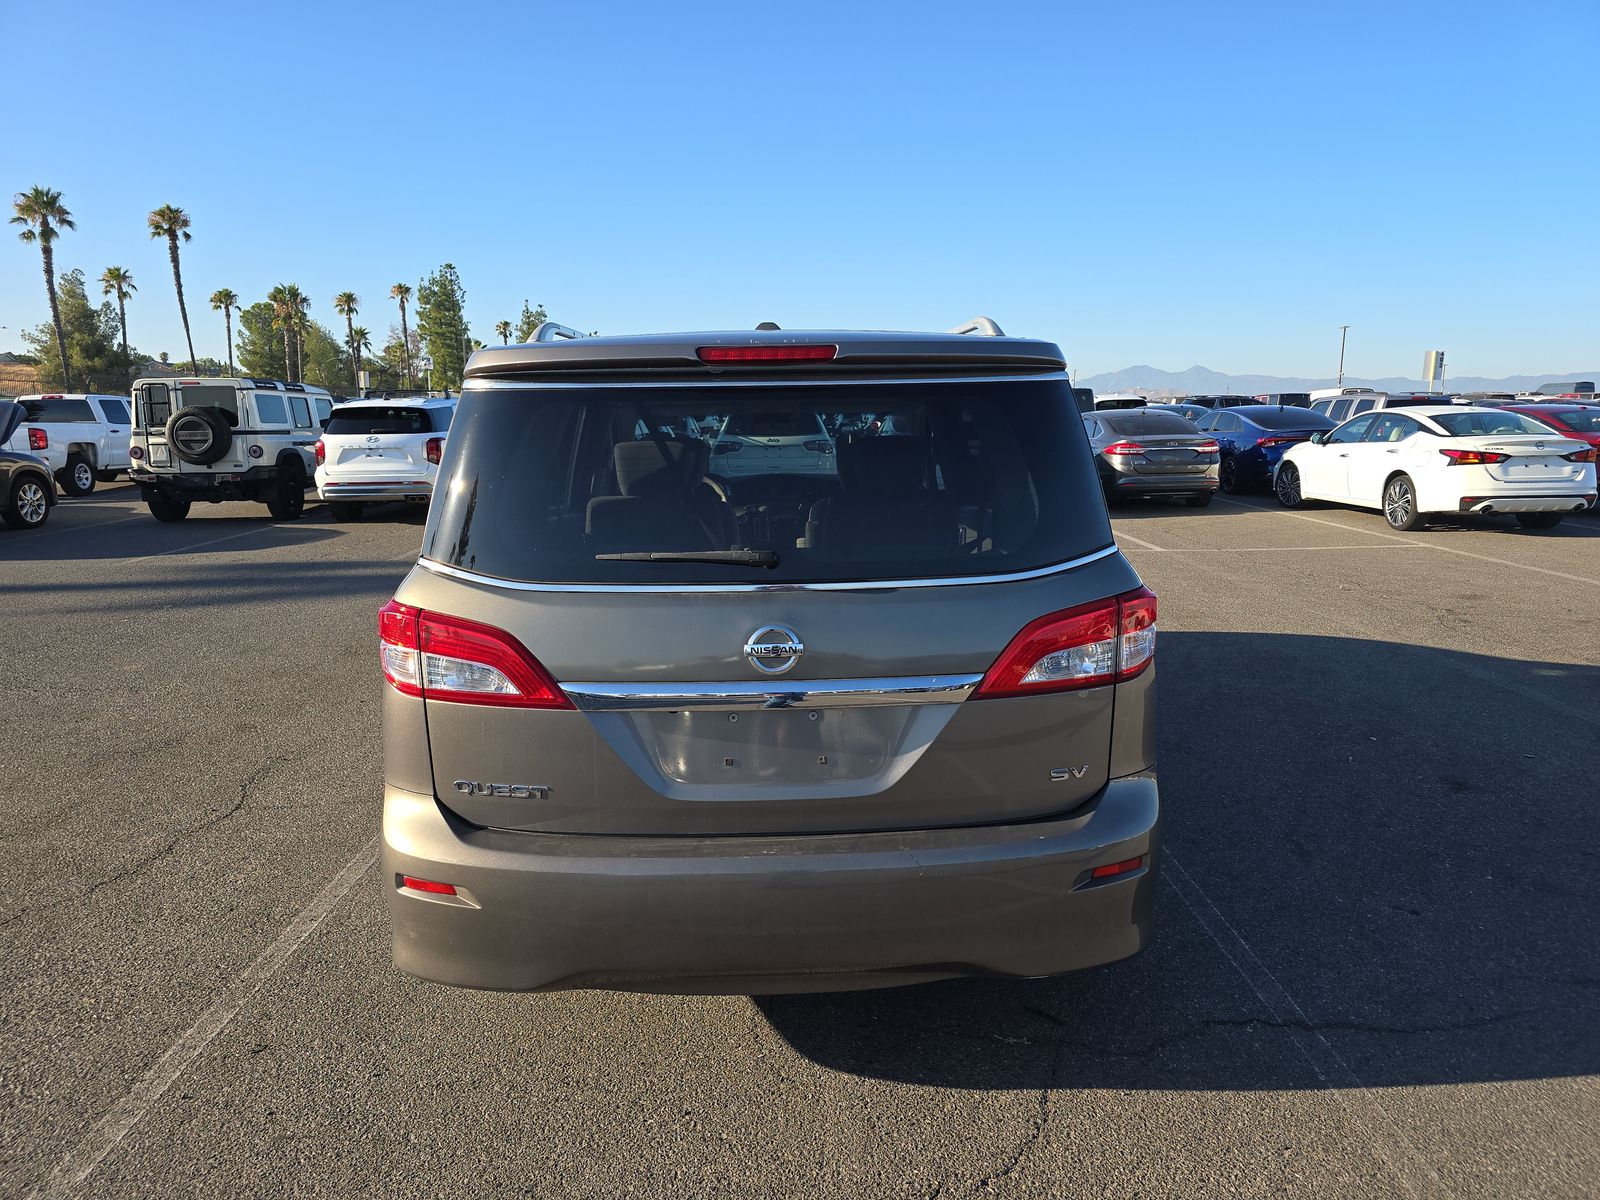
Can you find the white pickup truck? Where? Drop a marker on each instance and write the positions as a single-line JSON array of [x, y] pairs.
[[82, 437]]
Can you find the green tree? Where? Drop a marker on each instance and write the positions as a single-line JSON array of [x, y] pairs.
[[503, 328], [225, 300], [283, 322], [443, 326], [42, 215], [172, 223], [530, 320], [347, 304], [92, 357], [262, 351], [326, 362], [402, 293], [118, 282]]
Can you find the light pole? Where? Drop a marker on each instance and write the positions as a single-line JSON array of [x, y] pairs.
[[1343, 329], [426, 363]]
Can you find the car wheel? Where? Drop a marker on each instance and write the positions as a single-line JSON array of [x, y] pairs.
[[1228, 476], [1199, 499], [1287, 486], [289, 500], [165, 508], [345, 510], [1539, 520], [1400, 504], [77, 479], [30, 504]]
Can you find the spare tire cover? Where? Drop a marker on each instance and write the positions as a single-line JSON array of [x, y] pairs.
[[199, 435]]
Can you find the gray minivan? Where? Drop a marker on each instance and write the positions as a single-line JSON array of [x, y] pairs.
[[656, 724]]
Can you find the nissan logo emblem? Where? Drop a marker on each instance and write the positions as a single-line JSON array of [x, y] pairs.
[[773, 649]]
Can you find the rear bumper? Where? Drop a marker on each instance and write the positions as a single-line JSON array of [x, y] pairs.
[[766, 914], [1138, 485], [1569, 502], [377, 490], [223, 484]]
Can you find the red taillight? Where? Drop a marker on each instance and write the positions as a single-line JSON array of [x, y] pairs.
[[1280, 439], [136, 452], [1110, 870], [38, 439], [1208, 448], [450, 658], [1105, 641], [1473, 458], [1583, 456], [1123, 448], [434, 450], [427, 885], [321, 452], [747, 354]]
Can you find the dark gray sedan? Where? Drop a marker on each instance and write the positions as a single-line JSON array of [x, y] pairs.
[[1149, 452]]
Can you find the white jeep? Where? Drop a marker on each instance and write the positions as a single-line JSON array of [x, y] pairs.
[[225, 439]]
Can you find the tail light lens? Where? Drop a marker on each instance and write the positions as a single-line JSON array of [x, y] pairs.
[[1105, 641], [819, 446], [136, 452], [1279, 439], [321, 452], [439, 657], [1123, 448], [434, 450], [1473, 458], [1583, 456], [38, 439], [1208, 448], [726, 447]]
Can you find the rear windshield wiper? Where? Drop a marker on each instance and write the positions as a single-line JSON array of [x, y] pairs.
[[738, 558]]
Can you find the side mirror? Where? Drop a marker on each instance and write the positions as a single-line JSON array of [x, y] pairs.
[[1317, 439]]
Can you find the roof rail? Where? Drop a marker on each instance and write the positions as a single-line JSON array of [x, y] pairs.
[[980, 325], [549, 331]]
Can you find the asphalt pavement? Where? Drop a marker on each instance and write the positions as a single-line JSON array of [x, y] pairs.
[[1376, 971]]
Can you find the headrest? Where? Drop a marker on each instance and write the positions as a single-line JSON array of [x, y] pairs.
[[886, 463], [642, 471]]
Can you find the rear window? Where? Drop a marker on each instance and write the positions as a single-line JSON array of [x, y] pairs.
[[1147, 420], [1583, 420], [971, 479], [1474, 424], [57, 410], [210, 396], [393, 419], [1292, 418]]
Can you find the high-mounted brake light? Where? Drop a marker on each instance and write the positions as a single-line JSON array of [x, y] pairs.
[[1104, 641], [439, 657], [1473, 458], [38, 439], [749, 354], [321, 452], [434, 449]]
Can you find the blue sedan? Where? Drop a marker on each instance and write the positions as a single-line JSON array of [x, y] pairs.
[[1253, 438]]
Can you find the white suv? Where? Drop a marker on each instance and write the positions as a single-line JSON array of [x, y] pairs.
[[225, 439], [373, 451]]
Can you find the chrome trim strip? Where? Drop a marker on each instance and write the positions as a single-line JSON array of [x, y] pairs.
[[489, 385], [696, 589], [763, 693]]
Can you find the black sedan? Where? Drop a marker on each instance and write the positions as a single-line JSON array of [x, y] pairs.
[[1152, 452]]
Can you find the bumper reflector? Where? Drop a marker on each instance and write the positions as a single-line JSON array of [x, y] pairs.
[[428, 885], [1112, 869]]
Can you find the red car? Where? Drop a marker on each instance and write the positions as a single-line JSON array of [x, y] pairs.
[[1580, 421]]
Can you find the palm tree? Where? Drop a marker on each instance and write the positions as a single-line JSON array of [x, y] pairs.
[[299, 307], [282, 318], [503, 328], [118, 282], [43, 217], [360, 340], [402, 293], [224, 300], [171, 222], [346, 304]]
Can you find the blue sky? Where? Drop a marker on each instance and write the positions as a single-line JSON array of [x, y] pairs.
[[1153, 183]]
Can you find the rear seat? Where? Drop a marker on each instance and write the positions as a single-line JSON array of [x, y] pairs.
[[665, 503], [888, 508]]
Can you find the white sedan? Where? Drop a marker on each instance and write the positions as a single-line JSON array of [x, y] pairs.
[[1410, 462]]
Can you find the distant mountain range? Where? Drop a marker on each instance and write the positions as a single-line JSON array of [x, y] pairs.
[[1202, 381]]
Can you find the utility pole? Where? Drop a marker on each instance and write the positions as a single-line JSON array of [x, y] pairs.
[[1343, 329]]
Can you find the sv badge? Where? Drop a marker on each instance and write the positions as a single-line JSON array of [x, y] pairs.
[[1062, 774]]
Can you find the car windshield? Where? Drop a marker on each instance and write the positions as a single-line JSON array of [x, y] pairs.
[[1474, 424], [944, 479], [1147, 421], [375, 419], [1287, 418]]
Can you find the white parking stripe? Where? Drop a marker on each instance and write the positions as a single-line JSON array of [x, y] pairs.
[[197, 545], [13, 539], [1503, 562], [1140, 542], [73, 1170], [1297, 549], [1325, 1062]]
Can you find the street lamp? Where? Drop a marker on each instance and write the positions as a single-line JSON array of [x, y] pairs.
[[1343, 329]]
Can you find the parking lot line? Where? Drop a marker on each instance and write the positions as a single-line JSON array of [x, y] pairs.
[[126, 1113], [197, 545], [1296, 549], [1502, 562], [1140, 542], [39, 533]]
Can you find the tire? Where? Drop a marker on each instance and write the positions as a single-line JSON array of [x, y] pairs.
[[165, 508], [345, 510], [77, 477], [288, 500], [1199, 499], [28, 505], [1287, 486], [1228, 476], [1539, 520], [1400, 504], [201, 435]]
